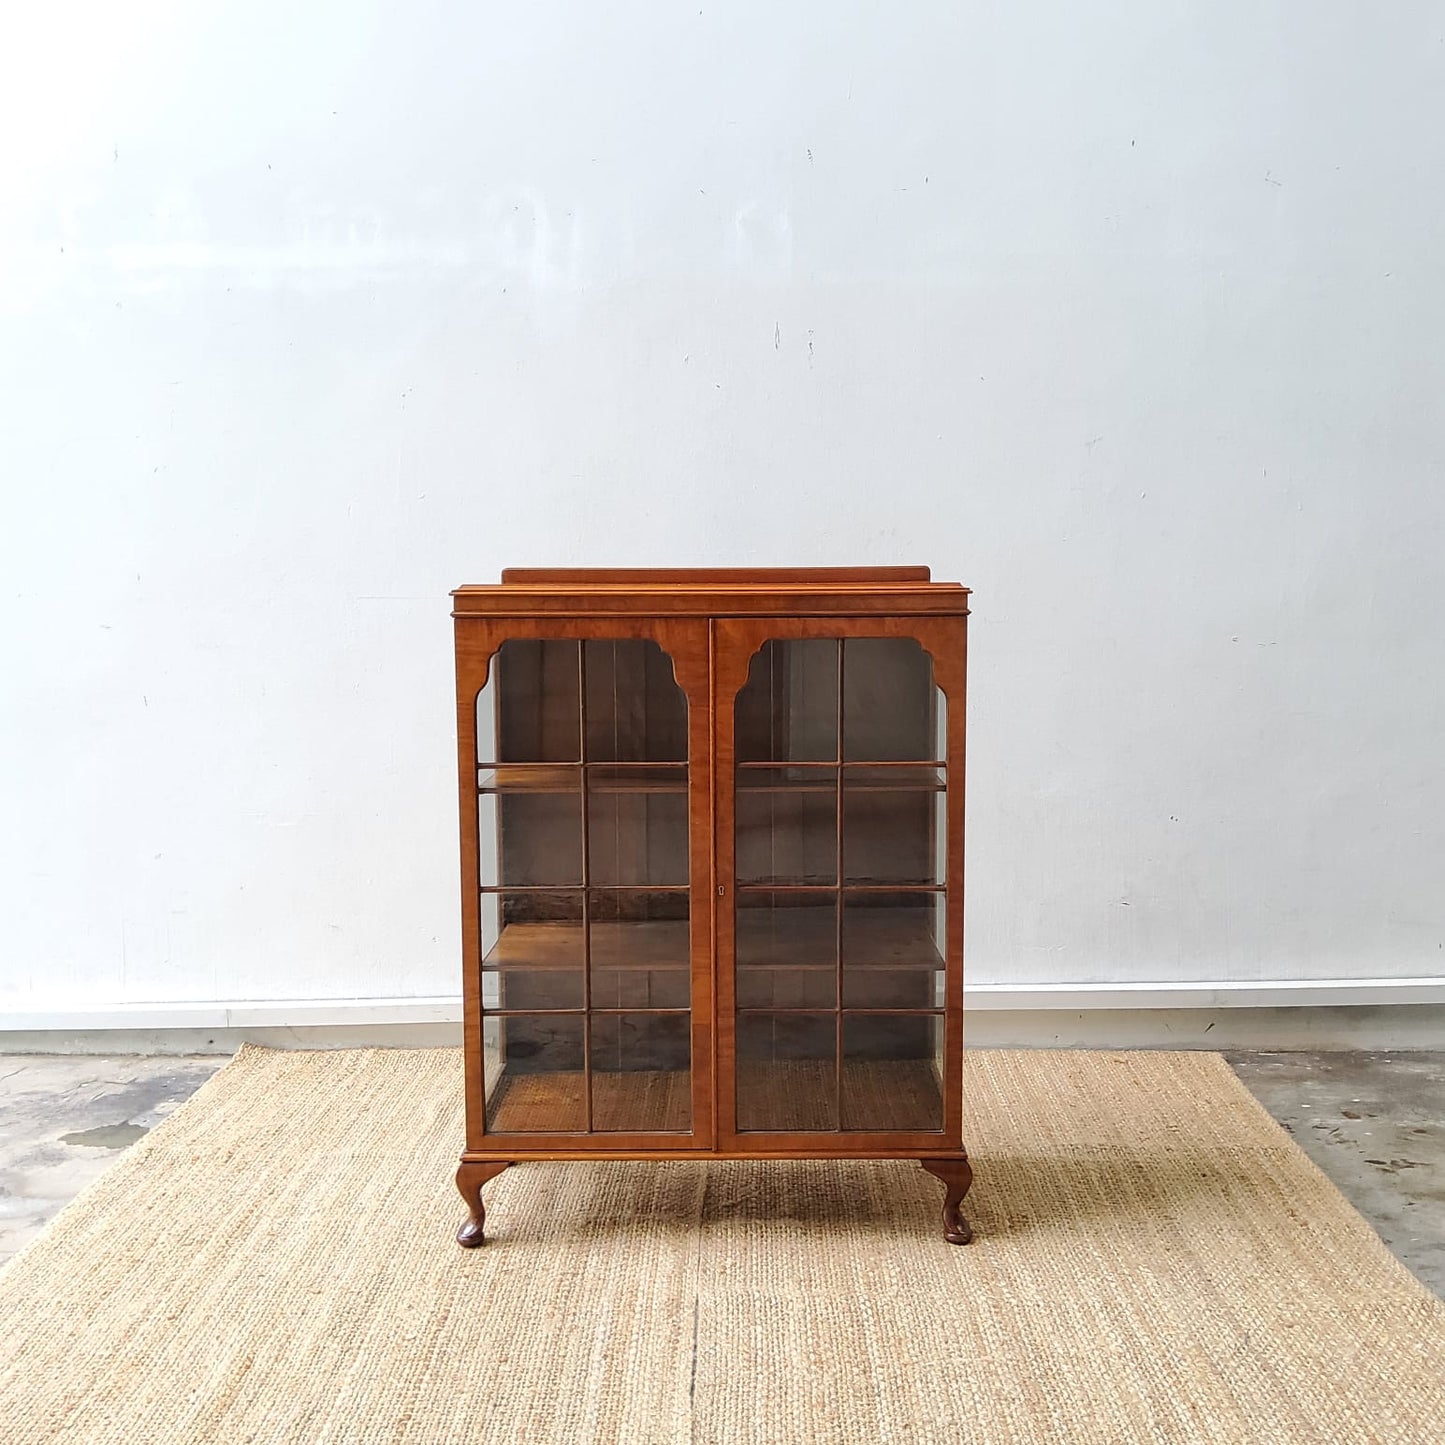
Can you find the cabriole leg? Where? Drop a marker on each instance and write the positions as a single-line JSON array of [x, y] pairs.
[[470, 1178], [956, 1176]]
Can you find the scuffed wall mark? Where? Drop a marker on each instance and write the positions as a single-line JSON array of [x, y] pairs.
[[777, 335]]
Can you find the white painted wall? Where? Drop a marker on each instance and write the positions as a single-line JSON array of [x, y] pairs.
[[1128, 315]]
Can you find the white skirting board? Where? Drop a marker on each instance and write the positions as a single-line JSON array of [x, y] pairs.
[[1404, 1013]]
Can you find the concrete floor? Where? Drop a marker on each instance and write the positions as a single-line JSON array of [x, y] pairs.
[[64, 1119], [1374, 1122]]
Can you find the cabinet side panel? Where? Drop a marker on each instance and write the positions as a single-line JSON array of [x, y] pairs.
[[951, 668], [472, 650]]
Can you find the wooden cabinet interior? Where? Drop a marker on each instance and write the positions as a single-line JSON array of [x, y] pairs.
[[712, 868]]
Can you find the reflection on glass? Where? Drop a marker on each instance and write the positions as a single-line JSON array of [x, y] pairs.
[[532, 950], [786, 948], [890, 1080], [640, 950], [787, 711], [534, 1073], [893, 950], [787, 1071], [640, 1072]]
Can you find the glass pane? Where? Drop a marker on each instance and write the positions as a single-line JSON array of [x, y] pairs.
[[530, 709], [786, 949], [787, 711], [893, 830], [583, 798], [890, 709], [527, 838], [785, 825], [787, 1071], [640, 950], [641, 1072], [534, 1073], [893, 950], [890, 1072], [638, 837], [854, 820], [532, 950], [636, 712]]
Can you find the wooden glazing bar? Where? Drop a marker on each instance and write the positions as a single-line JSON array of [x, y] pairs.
[[771, 1009], [838, 906], [586, 890], [846, 888], [579, 887]]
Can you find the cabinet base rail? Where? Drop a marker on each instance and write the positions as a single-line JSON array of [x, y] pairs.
[[954, 1171]]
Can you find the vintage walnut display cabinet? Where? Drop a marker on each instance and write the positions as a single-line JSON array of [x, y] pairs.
[[712, 868]]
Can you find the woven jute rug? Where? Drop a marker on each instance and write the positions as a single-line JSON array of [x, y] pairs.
[[1156, 1261]]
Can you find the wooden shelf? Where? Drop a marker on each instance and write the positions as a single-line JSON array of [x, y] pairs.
[[888, 778], [755, 778], [650, 944], [622, 1102], [567, 778], [805, 938], [893, 1094], [672, 778], [882, 1095], [791, 938]]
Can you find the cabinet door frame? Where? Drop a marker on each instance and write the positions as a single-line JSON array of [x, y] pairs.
[[735, 641], [686, 642]]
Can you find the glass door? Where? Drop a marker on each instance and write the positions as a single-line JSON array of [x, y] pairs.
[[586, 788], [839, 950]]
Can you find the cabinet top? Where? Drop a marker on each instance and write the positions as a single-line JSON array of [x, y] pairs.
[[710, 591]]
